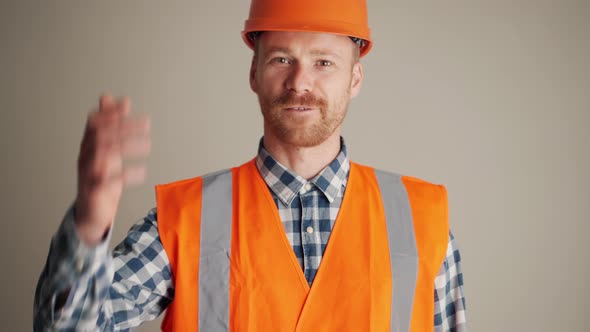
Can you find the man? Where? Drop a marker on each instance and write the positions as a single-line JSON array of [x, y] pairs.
[[298, 239]]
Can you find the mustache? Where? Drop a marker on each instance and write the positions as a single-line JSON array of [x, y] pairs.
[[306, 100]]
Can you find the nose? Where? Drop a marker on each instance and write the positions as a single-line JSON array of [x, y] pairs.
[[300, 79]]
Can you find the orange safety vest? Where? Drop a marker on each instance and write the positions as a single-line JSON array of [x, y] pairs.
[[234, 269]]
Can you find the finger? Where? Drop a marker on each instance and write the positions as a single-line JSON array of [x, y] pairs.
[[102, 146], [105, 161], [102, 119], [124, 106], [106, 102], [138, 126], [127, 176], [105, 119], [105, 131], [139, 147], [100, 131], [134, 175]]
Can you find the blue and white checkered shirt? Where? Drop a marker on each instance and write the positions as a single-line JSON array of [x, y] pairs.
[[89, 289], [308, 208]]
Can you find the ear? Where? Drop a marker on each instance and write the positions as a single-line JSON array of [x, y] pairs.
[[253, 66], [357, 79]]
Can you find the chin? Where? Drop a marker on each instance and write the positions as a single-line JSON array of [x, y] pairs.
[[305, 139]]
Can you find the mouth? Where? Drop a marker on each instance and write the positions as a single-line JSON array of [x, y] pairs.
[[298, 108]]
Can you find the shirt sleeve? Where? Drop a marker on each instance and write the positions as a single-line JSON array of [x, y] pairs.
[[449, 300], [90, 288]]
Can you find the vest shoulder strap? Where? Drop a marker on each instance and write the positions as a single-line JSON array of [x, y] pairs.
[[431, 226], [187, 211]]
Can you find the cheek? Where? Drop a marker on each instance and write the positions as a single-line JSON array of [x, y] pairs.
[[267, 84], [274, 75], [338, 89]]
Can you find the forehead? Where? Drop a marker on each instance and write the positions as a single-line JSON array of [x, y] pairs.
[[305, 42]]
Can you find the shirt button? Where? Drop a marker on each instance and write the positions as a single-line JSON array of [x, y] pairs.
[[309, 229], [305, 188]]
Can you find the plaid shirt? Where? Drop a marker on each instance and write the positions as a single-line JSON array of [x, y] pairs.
[[88, 289]]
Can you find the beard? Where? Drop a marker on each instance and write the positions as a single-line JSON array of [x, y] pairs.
[[296, 131]]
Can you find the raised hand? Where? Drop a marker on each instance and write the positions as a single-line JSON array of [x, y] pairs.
[[112, 136]]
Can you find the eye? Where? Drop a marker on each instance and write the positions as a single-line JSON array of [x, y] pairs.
[[280, 60], [325, 63]]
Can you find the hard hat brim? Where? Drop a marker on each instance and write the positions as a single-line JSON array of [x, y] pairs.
[[339, 28]]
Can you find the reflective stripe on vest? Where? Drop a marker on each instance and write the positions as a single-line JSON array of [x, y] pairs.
[[402, 248], [211, 244], [216, 221]]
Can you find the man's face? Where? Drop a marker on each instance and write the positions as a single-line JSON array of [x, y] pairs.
[[304, 82]]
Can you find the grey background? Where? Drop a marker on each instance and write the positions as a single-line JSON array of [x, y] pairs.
[[491, 98]]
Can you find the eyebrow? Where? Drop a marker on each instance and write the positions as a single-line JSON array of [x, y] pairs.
[[324, 52], [277, 50]]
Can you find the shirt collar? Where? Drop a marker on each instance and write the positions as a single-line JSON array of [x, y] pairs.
[[285, 184]]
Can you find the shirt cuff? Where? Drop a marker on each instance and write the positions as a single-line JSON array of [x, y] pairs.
[[72, 257], [71, 268]]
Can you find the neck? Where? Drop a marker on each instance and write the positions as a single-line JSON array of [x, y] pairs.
[[306, 162]]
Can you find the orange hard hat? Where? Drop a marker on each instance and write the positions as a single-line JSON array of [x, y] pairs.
[[343, 17]]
